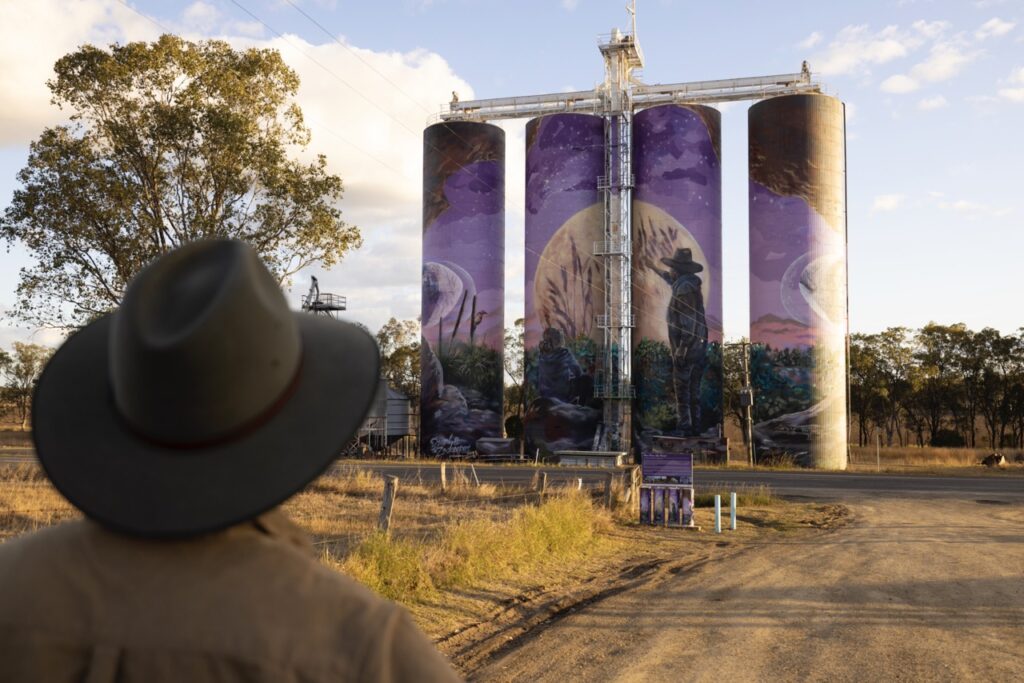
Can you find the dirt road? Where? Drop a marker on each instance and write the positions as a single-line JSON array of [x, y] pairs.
[[910, 590]]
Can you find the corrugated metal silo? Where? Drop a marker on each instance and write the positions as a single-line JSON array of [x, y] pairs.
[[798, 281], [463, 285], [564, 287], [677, 272]]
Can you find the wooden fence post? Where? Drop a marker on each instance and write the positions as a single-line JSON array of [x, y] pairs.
[[475, 478], [608, 478], [444, 476], [542, 484], [390, 491]]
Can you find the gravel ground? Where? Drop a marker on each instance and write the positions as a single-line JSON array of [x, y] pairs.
[[909, 590]]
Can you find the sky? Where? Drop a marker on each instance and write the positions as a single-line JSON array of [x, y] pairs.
[[934, 93]]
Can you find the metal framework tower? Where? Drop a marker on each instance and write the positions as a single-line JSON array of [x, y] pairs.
[[615, 100]]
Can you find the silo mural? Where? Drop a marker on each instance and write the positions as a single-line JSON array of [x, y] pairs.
[[564, 280], [798, 315], [463, 285], [677, 273]]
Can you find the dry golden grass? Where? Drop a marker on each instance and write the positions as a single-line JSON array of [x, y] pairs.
[[28, 501], [910, 457]]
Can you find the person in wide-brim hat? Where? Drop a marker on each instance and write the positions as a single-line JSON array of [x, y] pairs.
[[178, 424], [682, 262], [203, 400]]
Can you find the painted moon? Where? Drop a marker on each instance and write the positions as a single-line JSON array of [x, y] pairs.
[[568, 288], [442, 288], [657, 235], [812, 287]]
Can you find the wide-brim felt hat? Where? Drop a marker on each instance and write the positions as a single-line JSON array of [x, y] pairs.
[[202, 401], [682, 262]]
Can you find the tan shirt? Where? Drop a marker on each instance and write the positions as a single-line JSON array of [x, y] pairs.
[[79, 603]]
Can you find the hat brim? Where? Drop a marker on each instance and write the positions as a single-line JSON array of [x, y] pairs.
[[132, 485], [683, 266]]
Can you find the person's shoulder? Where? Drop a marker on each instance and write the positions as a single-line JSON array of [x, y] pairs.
[[38, 546]]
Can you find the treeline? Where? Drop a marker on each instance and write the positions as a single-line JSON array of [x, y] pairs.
[[19, 369], [941, 385]]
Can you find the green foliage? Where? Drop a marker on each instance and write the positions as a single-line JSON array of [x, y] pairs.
[[473, 366], [168, 142], [586, 352], [781, 381], [399, 343], [20, 373], [391, 567], [661, 416]]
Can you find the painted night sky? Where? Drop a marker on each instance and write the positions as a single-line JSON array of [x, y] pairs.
[[678, 171], [564, 157], [463, 236]]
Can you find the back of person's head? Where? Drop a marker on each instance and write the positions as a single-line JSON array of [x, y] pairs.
[[203, 400]]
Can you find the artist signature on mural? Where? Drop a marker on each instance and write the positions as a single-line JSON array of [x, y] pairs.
[[448, 445]]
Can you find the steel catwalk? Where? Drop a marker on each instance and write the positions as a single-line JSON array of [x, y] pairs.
[[463, 286], [677, 272], [798, 278]]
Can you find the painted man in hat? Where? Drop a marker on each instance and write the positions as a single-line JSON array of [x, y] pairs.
[[688, 337], [178, 424]]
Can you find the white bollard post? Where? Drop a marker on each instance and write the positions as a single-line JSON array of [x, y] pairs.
[[579, 483], [718, 514], [732, 511]]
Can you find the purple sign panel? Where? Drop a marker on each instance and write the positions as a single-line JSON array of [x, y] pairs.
[[798, 321], [677, 273], [668, 468], [463, 286], [564, 287]]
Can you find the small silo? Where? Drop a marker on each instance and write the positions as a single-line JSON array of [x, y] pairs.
[[463, 285]]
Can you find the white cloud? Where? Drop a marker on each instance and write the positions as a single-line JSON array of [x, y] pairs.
[[570, 5], [945, 60], [974, 210], [201, 16], [856, 48], [373, 141], [810, 41], [899, 84], [994, 28], [886, 202], [930, 29], [34, 35], [1012, 94], [930, 103]]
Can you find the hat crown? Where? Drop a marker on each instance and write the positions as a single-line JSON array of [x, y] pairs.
[[203, 344]]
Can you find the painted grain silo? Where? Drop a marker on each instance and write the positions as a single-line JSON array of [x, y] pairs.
[[798, 305], [677, 272], [463, 286], [564, 281]]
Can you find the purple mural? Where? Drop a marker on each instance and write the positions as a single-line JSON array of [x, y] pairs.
[[677, 273], [463, 286], [798, 321], [564, 280]]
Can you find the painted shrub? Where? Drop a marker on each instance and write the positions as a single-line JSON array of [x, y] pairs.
[[564, 280], [798, 311], [677, 273], [463, 285]]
